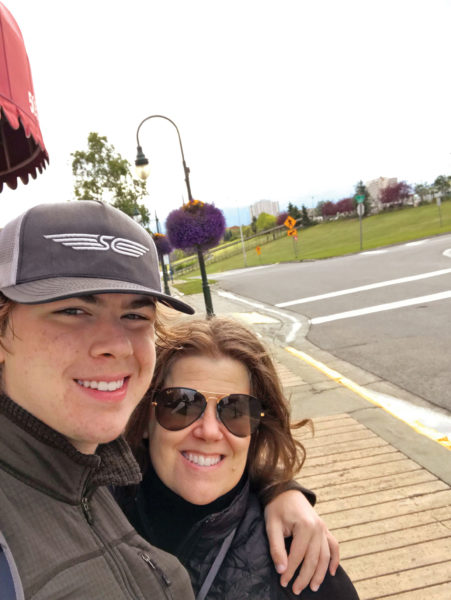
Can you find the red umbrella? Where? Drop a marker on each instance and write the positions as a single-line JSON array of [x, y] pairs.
[[22, 149]]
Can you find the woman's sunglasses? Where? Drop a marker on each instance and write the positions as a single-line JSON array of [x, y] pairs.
[[178, 407]]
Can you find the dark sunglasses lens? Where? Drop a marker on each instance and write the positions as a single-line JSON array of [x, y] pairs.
[[240, 413], [177, 408]]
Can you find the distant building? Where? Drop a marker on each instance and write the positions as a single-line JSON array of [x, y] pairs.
[[375, 187], [264, 206]]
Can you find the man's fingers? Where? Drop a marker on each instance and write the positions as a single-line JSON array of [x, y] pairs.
[[321, 567], [334, 553], [277, 547], [297, 554], [308, 568]]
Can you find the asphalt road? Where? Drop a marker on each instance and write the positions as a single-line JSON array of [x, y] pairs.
[[408, 342]]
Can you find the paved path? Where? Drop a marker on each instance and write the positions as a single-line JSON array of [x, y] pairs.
[[383, 489], [391, 516]]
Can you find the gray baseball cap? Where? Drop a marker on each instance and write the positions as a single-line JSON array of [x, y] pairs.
[[56, 251]]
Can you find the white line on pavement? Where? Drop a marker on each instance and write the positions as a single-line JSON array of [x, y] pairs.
[[364, 288], [381, 307], [243, 271], [296, 324]]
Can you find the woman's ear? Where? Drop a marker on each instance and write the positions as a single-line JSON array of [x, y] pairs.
[[2, 350]]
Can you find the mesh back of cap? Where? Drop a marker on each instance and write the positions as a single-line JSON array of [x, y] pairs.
[[9, 252]]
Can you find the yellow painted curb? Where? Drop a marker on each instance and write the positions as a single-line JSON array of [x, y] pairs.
[[432, 434]]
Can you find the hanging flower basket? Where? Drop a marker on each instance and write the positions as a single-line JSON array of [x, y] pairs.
[[196, 225], [162, 244]]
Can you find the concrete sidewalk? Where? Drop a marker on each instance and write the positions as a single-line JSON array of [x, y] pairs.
[[383, 488]]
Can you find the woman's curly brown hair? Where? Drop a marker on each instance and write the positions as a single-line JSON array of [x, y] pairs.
[[274, 455]]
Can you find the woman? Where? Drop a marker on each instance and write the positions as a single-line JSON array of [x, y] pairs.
[[218, 429]]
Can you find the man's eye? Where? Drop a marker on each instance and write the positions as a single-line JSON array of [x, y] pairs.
[[71, 311], [136, 317]]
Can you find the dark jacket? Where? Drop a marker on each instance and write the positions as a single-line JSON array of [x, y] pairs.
[[247, 571], [61, 527]]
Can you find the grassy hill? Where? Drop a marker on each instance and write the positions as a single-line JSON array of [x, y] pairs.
[[336, 238]]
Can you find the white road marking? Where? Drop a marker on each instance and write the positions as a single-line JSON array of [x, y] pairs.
[[373, 252], [447, 253], [242, 271], [296, 324], [364, 288], [381, 307], [254, 317], [418, 243]]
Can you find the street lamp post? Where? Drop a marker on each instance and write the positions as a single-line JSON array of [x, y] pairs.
[[142, 163], [163, 264], [142, 169]]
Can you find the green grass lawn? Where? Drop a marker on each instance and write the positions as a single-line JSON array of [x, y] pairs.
[[336, 238], [191, 286]]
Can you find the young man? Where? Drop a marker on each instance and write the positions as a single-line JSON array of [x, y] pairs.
[[78, 284]]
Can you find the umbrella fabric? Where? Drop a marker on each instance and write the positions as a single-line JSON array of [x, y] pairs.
[[22, 150]]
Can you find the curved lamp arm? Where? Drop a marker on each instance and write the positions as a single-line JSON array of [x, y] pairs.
[[142, 162]]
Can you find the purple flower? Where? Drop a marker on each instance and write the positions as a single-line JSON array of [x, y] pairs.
[[162, 244], [195, 224]]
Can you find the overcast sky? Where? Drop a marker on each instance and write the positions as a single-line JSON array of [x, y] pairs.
[[287, 100]]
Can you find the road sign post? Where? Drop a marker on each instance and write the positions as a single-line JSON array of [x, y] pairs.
[[360, 212], [293, 233], [439, 204]]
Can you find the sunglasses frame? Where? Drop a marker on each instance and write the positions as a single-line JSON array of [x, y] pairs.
[[205, 396]]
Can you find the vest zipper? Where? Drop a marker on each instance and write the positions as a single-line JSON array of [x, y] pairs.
[[164, 580], [85, 506], [87, 510], [161, 574]]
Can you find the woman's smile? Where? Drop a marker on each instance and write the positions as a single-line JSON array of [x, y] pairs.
[[202, 460]]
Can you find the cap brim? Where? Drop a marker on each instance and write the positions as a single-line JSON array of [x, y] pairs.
[[58, 288]]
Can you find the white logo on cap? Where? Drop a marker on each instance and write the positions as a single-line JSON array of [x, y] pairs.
[[90, 241]]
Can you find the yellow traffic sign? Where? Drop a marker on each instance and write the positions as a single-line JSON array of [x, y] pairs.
[[289, 222], [293, 232]]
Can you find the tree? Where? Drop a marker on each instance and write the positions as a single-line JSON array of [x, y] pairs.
[[346, 205], [305, 219], [442, 185], [281, 218], [361, 190], [254, 224], [247, 231], [102, 174], [329, 209], [265, 221], [396, 193], [422, 190], [294, 211], [319, 208]]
